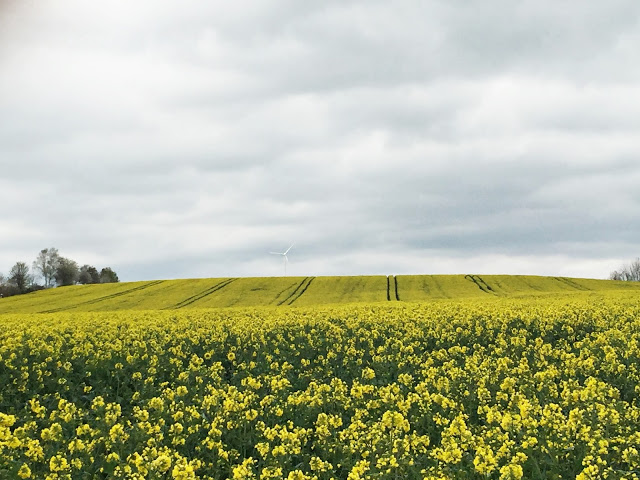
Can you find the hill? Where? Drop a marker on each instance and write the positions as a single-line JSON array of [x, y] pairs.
[[297, 291]]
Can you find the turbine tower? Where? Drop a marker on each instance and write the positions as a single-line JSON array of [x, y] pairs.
[[284, 255]]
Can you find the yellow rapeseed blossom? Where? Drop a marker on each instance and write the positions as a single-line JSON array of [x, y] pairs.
[[435, 391], [24, 471], [181, 391], [511, 472], [58, 463], [161, 464], [244, 471]]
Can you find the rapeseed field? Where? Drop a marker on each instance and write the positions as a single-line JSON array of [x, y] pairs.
[[297, 291], [536, 388]]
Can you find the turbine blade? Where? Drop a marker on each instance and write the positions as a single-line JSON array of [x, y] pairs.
[[275, 253], [289, 248]]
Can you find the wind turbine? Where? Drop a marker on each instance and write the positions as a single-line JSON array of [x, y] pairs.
[[284, 255]]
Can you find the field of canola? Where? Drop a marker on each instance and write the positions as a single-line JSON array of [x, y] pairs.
[[508, 389], [296, 291]]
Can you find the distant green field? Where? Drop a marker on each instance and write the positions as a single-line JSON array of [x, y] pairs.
[[297, 291], [324, 290], [418, 288]]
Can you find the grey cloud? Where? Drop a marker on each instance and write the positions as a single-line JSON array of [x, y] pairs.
[[172, 142]]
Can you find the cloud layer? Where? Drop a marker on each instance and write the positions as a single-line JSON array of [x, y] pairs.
[[189, 139]]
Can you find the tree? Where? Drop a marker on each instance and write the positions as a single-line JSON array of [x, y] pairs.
[[8, 290], [19, 276], [627, 273], [67, 272], [46, 264], [3, 286], [107, 275], [88, 274]]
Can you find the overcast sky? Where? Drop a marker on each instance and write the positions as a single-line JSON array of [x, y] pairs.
[[177, 139]]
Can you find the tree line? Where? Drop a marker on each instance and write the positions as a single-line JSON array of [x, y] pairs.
[[53, 270], [629, 273]]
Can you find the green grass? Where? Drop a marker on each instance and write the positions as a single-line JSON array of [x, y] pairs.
[[297, 291]]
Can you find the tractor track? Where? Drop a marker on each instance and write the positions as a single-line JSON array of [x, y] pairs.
[[572, 284], [297, 293], [284, 300], [482, 285], [106, 297], [395, 295], [294, 291], [204, 293]]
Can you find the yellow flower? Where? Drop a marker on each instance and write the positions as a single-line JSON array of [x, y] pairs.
[[53, 433], [511, 472], [76, 445], [358, 471], [368, 373], [251, 414], [97, 403], [181, 391], [25, 471], [318, 465], [296, 475], [156, 403], [7, 420], [161, 464], [183, 472], [485, 461], [113, 457], [117, 433], [629, 455], [244, 470], [58, 463]]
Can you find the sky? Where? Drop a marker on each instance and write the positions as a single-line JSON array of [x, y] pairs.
[[182, 139]]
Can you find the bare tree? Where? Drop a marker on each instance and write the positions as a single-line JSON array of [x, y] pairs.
[[20, 277], [46, 265], [627, 273]]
